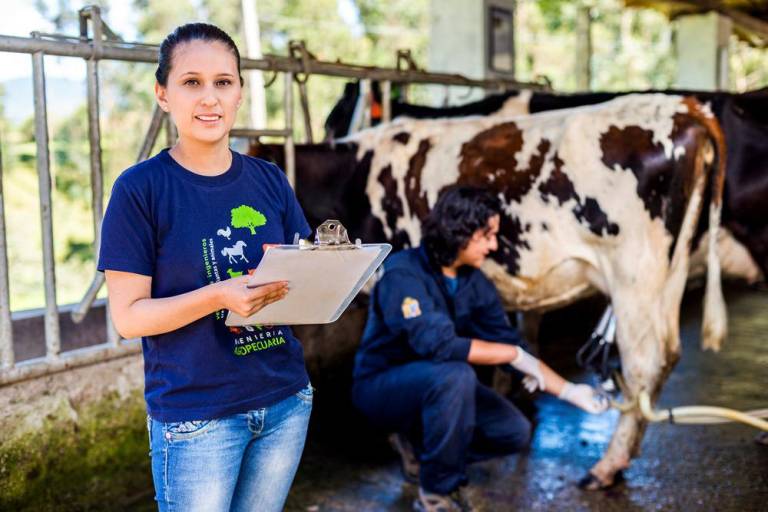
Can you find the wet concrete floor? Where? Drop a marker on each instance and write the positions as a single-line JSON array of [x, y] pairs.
[[348, 467]]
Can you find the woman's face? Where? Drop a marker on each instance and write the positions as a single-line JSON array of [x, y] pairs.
[[203, 91], [482, 243]]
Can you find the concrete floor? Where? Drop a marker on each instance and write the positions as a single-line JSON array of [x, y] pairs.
[[346, 467]]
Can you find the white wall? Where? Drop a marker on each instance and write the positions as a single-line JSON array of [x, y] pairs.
[[457, 42], [701, 44]]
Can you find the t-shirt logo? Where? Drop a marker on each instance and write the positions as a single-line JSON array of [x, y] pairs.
[[246, 217], [410, 308]]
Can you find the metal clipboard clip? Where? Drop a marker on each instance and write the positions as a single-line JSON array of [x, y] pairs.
[[330, 235]]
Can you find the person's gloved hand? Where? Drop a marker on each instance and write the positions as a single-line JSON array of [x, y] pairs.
[[529, 365], [584, 397]]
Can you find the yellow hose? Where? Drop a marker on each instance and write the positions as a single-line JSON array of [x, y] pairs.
[[699, 414], [692, 414]]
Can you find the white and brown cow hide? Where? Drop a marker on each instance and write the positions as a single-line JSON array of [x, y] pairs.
[[603, 197]]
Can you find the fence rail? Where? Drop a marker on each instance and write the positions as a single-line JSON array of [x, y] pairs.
[[101, 43]]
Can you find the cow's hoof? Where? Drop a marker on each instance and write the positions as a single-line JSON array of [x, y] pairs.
[[591, 483], [762, 438]]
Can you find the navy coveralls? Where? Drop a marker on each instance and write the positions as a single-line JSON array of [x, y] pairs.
[[412, 375]]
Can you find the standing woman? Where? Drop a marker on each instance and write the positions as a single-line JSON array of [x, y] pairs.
[[228, 408]]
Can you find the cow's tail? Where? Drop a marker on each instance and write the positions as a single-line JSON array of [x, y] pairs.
[[715, 322]]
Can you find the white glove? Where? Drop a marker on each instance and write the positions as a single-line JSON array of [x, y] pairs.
[[530, 383], [529, 365], [584, 397]]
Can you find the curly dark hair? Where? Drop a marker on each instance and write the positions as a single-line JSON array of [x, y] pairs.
[[457, 214]]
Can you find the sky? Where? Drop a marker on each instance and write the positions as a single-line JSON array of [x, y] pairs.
[[122, 18], [24, 18], [66, 75]]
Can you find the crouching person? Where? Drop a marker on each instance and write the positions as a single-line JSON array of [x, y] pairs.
[[432, 314]]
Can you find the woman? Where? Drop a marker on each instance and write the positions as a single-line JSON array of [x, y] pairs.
[[432, 314], [228, 408]]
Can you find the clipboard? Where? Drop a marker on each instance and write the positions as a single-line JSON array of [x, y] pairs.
[[323, 277]]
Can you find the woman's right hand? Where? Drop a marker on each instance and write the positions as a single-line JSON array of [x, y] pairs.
[[234, 295]]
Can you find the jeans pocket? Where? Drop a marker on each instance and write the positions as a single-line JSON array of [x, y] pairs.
[[178, 430], [306, 393]]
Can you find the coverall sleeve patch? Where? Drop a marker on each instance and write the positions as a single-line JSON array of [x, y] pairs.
[[410, 308]]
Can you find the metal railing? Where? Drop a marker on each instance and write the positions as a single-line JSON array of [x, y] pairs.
[[103, 44]]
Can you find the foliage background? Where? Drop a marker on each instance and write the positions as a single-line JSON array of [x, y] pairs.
[[633, 49]]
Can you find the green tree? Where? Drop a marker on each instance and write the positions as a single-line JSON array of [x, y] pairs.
[[246, 217]]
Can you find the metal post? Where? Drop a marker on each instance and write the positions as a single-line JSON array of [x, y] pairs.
[[152, 132], [94, 135], [386, 101], [171, 134], [52, 336], [6, 325], [98, 280], [290, 150], [303, 97], [366, 94]]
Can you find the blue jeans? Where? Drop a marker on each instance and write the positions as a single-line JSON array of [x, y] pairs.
[[243, 462], [449, 416]]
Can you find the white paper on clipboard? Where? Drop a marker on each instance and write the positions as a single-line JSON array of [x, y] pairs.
[[321, 281]]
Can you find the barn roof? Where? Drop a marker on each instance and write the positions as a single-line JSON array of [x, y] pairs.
[[750, 17]]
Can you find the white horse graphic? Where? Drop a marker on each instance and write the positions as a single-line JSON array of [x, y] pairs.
[[225, 232], [235, 250]]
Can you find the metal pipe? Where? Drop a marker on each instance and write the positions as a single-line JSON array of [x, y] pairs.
[[253, 133], [136, 52], [52, 335], [386, 101], [94, 133], [308, 138], [171, 134], [78, 314], [290, 149], [155, 124], [365, 94], [97, 282], [33, 368], [6, 325]]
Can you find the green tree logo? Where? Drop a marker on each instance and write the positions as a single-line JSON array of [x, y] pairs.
[[246, 217]]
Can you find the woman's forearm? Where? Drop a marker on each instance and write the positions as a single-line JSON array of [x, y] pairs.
[[149, 317], [489, 352]]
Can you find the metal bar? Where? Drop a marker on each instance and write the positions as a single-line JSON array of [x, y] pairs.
[[308, 138], [152, 132], [290, 150], [136, 52], [94, 133], [52, 335], [386, 101], [253, 133], [171, 134], [33, 368], [98, 280], [6, 324], [365, 94]]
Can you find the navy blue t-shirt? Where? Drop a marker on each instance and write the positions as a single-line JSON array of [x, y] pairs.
[[186, 231]]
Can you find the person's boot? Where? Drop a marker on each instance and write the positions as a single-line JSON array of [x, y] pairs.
[[409, 464], [454, 502]]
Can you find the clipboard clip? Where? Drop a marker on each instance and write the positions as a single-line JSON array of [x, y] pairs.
[[330, 235]]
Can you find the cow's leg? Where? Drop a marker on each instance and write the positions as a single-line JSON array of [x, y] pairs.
[[649, 349]]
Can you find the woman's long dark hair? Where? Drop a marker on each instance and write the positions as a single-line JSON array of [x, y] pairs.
[[185, 34], [457, 214]]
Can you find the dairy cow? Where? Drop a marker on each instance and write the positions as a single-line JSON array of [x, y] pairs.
[[743, 243], [600, 198]]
